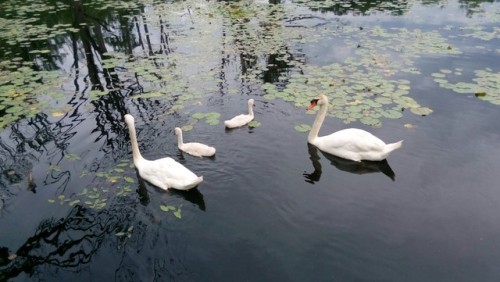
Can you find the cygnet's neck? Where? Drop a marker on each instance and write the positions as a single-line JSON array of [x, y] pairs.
[[250, 109], [180, 142]]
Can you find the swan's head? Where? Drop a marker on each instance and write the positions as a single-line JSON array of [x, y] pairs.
[[129, 119], [318, 100], [178, 131], [251, 102]]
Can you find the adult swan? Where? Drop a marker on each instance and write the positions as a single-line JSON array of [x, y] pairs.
[[351, 143], [166, 172]]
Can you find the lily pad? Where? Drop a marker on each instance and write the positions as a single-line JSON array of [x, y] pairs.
[[423, 111], [254, 123], [302, 127]]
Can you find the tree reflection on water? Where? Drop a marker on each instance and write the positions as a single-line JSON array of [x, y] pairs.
[[41, 142]]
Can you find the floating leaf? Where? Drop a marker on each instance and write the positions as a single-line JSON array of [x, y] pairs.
[[187, 127], [198, 115], [302, 127], [423, 111], [177, 213], [254, 123], [392, 114], [370, 121], [212, 121], [72, 157], [212, 115], [122, 164], [167, 208], [57, 114], [129, 179]]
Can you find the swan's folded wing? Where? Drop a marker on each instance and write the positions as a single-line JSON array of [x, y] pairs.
[[352, 139], [166, 168], [176, 170], [239, 120], [197, 149]]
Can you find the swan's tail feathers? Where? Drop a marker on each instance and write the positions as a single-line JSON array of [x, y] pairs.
[[198, 181], [192, 184], [393, 146]]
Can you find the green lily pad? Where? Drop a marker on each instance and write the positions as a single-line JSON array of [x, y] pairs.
[[302, 127], [254, 123], [167, 208], [423, 111], [199, 115]]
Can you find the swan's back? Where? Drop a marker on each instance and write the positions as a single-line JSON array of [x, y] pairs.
[[355, 144], [197, 149], [167, 173], [238, 121]]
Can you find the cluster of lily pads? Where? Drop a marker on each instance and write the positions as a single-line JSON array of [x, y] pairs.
[[485, 85], [25, 9], [367, 85], [354, 95], [24, 92], [176, 211], [359, 87], [97, 196], [24, 32], [365, 7], [211, 118], [111, 183]]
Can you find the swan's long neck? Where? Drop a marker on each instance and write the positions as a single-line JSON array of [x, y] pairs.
[[250, 110], [180, 142], [320, 117], [135, 146]]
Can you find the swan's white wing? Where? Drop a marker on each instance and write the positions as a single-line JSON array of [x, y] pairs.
[[351, 139], [198, 149], [167, 173], [238, 121]]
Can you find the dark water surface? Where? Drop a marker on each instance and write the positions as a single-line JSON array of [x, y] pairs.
[[272, 207]]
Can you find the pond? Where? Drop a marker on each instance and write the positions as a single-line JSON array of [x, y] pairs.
[[271, 206]]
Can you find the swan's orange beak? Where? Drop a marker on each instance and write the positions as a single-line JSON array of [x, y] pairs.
[[313, 104]]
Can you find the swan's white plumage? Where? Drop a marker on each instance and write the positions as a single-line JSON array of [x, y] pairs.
[[193, 148], [352, 143], [242, 119], [166, 172]]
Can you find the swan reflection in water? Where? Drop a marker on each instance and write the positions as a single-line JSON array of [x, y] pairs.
[[193, 195], [345, 165]]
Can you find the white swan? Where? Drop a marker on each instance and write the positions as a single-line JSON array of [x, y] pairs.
[[351, 143], [193, 148], [243, 119], [166, 172]]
